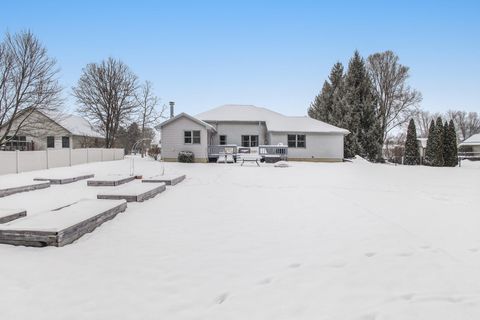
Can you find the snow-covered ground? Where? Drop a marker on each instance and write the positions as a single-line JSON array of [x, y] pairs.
[[312, 241]]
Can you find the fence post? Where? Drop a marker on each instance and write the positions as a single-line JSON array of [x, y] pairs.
[[17, 160], [46, 153], [87, 155], [70, 155], [102, 155]]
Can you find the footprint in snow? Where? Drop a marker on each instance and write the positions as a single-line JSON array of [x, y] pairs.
[[221, 298], [294, 265], [370, 254], [473, 249]]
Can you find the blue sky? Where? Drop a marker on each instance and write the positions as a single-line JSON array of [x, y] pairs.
[[277, 54]]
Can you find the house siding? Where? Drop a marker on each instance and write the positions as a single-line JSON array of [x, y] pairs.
[[319, 147], [235, 130], [37, 128], [173, 140]]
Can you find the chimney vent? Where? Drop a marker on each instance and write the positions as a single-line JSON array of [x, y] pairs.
[[172, 109]]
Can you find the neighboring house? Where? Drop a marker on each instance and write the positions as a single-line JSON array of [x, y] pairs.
[[206, 134], [40, 131], [471, 147], [422, 147]]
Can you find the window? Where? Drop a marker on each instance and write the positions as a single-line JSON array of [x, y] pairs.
[[50, 142], [296, 141], [223, 140], [190, 137], [249, 141], [65, 142], [16, 142], [196, 137]]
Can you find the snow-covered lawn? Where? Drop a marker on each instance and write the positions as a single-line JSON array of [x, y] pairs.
[[312, 241]]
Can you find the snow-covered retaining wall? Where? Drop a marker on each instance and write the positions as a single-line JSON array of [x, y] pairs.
[[20, 161]]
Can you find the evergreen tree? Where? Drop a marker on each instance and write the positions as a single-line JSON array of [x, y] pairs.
[[438, 143], [450, 154], [453, 142], [324, 106], [359, 109], [446, 143], [412, 155], [430, 150]]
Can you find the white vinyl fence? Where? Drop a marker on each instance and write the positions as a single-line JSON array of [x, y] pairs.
[[20, 161]]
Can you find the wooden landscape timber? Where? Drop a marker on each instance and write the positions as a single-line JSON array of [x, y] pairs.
[[110, 181], [169, 180], [66, 180], [60, 227], [133, 192], [7, 215], [24, 188]]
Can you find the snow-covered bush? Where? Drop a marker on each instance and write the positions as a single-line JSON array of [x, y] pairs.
[[282, 164], [186, 156]]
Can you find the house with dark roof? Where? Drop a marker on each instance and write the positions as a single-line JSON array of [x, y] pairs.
[[37, 130], [257, 129]]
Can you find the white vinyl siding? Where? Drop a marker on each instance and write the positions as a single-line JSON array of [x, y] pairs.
[[235, 130], [318, 145], [173, 139]]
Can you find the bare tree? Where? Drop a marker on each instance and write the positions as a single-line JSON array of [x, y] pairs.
[[467, 124], [148, 106], [396, 101], [105, 94], [28, 83], [422, 121], [149, 111]]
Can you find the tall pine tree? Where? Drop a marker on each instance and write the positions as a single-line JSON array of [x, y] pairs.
[[359, 110], [430, 150], [438, 143], [325, 104], [450, 154], [412, 154]]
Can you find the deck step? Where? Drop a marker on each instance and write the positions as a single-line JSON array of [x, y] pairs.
[[169, 180], [31, 186], [7, 215], [133, 192], [60, 227], [110, 181], [64, 180]]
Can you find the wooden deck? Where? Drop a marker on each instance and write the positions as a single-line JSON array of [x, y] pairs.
[[7, 215], [60, 227], [110, 181], [134, 192], [65, 180], [23, 188], [169, 180]]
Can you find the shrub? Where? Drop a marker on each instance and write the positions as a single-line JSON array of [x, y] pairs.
[[186, 156], [154, 152]]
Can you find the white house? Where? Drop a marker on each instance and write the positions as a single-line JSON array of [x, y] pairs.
[[247, 126], [53, 131], [471, 146]]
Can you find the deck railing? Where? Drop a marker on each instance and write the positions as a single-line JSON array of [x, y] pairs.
[[273, 150], [215, 150]]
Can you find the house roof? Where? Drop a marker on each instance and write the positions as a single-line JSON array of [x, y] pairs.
[[78, 126], [274, 121], [472, 141], [183, 114], [74, 124]]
